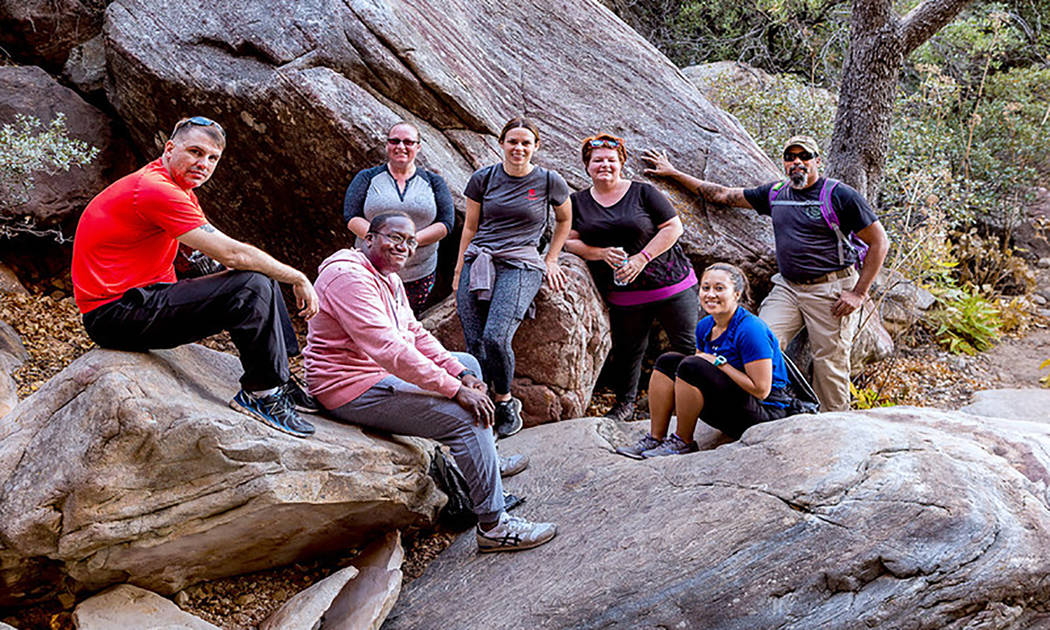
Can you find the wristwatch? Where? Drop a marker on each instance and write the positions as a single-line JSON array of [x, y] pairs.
[[719, 361], [466, 372]]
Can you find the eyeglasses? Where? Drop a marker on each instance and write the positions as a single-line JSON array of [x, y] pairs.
[[805, 156], [400, 239], [200, 121], [602, 142], [405, 141]]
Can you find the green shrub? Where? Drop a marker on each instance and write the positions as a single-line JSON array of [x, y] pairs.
[[965, 322]]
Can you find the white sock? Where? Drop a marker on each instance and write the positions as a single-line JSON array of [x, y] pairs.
[[265, 392]]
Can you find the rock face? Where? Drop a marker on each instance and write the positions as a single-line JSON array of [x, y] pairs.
[[56, 199], [131, 468], [127, 607], [306, 91], [897, 518], [12, 355], [901, 302], [1015, 404], [558, 354], [44, 31]]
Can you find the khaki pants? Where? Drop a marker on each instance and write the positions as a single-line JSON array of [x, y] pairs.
[[790, 306]]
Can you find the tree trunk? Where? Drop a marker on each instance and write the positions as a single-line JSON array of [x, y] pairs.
[[879, 41]]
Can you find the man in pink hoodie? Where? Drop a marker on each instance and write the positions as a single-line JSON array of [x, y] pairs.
[[370, 362]]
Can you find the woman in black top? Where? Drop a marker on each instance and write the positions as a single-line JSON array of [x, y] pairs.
[[628, 232]]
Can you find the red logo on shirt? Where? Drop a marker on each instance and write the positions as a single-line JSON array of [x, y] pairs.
[[532, 195]]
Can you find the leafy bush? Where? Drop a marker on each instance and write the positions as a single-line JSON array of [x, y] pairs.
[[27, 147], [965, 321]]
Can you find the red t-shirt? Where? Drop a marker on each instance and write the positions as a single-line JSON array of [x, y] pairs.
[[126, 236]]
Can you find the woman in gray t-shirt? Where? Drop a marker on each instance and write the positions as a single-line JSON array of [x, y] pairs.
[[401, 186], [500, 267]]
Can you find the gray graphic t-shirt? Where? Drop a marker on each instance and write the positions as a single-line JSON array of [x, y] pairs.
[[513, 209]]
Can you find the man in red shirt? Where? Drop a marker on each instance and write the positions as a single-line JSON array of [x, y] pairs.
[[125, 286]]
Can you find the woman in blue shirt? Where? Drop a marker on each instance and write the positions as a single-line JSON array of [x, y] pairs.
[[736, 379]]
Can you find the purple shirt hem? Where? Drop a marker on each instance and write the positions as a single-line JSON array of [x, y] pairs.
[[634, 298]]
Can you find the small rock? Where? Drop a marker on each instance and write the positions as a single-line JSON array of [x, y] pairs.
[[246, 599], [182, 598], [1043, 263], [1038, 299], [67, 600]]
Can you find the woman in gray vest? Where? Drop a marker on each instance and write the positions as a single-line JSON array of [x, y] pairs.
[[500, 265], [401, 186]]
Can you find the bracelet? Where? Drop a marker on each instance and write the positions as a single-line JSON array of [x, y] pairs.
[[648, 257], [465, 373]]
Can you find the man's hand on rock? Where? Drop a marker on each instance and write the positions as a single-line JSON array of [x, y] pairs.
[[659, 163], [478, 404], [848, 302]]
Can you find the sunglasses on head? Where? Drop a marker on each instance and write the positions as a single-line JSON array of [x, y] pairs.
[[805, 156], [602, 142], [200, 121], [405, 141]]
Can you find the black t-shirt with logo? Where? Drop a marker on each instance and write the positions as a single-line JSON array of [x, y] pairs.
[[806, 247]]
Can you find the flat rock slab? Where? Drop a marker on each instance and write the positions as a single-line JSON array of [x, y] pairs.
[[127, 607], [1015, 404], [894, 518], [131, 468]]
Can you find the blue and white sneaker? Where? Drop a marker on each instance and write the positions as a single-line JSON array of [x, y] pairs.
[[275, 411], [514, 533]]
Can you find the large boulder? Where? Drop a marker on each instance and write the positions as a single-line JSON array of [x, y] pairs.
[[890, 519], [56, 199], [44, 31], [131, 468], [306, 91], [558, 355]]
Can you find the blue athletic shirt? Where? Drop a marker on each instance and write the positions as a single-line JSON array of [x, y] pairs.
[[746, 339]]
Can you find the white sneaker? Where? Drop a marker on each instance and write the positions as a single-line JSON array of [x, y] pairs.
[[511, 465], [513, 533]]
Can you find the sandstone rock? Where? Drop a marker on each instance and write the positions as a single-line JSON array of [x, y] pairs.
[[901, 302], [873, 342], [306, 90], [571, 325], [365, 602], [131, 468], [43, 31], [127, 607], [1014, 404], [57, 199], [86, 66], [4, 626], [305, 609], [709, 76], [12, 355], [896, 518], [357, 598], [9, 282]]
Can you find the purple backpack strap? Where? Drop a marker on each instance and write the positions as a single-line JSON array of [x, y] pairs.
[[832, 219], [774, 192]]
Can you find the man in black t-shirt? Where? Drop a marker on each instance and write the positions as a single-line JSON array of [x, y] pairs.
[[818, 286]]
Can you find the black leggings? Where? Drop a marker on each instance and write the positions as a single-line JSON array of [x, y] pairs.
[[727, 408]]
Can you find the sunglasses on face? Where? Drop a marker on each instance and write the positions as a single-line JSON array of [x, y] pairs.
[[601, 142], [199, 121], [805, 156], [405, 141], [399, 239]]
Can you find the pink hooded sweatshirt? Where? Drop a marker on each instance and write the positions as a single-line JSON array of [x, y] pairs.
[[365, 331]]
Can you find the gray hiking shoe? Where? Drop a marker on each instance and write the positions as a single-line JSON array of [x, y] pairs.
[[514, 533], [621, 411], [635, 451], [672, 445], [508, 418], [512, 464]]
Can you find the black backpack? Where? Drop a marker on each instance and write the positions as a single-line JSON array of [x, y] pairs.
[[803, 398]]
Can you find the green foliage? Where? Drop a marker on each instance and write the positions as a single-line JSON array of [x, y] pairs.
[[1045, 380], [965, 321], [778, 110], [868, 398], [27, 147]]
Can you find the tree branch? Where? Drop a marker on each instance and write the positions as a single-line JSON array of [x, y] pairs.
[[926, 19]]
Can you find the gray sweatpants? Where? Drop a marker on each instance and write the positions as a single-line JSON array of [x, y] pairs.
[[397, 406]]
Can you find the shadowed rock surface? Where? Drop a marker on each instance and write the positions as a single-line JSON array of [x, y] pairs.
[[558, 354], [44, 31], [897, 518], [131, 468], [57, 198], [306, 91], [12, 355]]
